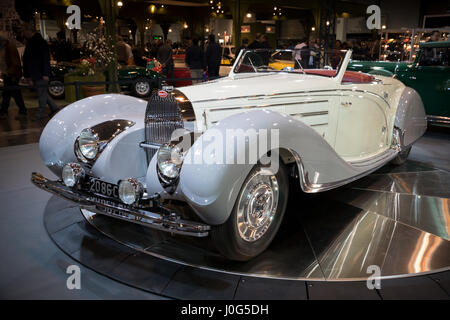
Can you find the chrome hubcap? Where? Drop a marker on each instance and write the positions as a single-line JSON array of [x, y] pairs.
[[142, 88], [257, 206], [56, 90]]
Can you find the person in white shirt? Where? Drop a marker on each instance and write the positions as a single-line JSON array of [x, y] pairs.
[[299, 54]]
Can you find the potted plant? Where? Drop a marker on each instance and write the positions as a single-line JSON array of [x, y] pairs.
[[94, 75]]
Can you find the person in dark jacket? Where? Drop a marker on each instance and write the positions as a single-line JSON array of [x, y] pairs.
[[195, 60], [264, 44], [36, 68], [213, 56], [11, 72], [138, 57], [63, 49], [256, 44], [164, 56], [244, 46]]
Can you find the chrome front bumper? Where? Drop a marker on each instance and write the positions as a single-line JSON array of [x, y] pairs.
[[167, 220]]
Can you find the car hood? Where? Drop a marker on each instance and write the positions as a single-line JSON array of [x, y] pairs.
[[254, 85]]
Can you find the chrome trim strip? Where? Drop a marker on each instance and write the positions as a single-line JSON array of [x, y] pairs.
[[310, 187], [302, 95], [309, 114], [267, 105], [370, 93], [376, 158], [169, 222], [290, 93]]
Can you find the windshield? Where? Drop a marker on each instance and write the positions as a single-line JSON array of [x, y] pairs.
[[290, 60]]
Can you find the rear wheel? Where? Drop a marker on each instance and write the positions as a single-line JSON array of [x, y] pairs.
[[56, 89], [142, 87], [256, 216], [402, 156]]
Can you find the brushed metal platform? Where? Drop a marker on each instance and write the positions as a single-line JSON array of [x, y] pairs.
[[397, 218]]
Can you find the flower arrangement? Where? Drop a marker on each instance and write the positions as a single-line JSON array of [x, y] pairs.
[[98, 55], [87, 67]]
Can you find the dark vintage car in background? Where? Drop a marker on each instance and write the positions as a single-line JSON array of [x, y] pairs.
[[428, 74], [139, 81]]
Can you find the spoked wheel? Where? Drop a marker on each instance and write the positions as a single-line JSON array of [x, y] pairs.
[[256, 216], [142, 87], [56, 89], [401, 157]]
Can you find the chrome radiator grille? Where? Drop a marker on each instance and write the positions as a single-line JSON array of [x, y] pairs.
[[162, 117]]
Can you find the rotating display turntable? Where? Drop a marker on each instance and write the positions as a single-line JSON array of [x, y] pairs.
[[396, 219]]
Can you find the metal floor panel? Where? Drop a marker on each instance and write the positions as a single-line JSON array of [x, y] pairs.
[[434, 183], [430, 214], [289, 257], [383, 220]]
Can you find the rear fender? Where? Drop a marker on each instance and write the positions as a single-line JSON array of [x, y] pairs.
[[410, 117]]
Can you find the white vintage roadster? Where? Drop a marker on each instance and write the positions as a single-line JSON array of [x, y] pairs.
[[117, 155]]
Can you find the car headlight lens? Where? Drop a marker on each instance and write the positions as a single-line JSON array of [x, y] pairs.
[[88, 144], [130, 190], [170, 159], [72, 173]]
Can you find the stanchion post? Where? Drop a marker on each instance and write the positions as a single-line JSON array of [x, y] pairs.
[[77, 90]]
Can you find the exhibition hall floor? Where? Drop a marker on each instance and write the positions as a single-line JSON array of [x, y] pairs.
[[397, 218]]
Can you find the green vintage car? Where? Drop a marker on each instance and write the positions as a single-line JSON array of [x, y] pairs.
[[429, 75], [143, 80]]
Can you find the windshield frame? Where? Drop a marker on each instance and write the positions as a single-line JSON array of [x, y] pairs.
[[242, 53]]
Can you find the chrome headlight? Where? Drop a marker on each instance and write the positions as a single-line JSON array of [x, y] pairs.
[[130, 190], [88, 144], [72, 173], [169, 161]]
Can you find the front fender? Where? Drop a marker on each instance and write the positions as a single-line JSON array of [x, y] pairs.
[[211, 189], [122, 157], [56, 143]]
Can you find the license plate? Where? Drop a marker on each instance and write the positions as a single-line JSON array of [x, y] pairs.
[[110, 211], [97, 186]]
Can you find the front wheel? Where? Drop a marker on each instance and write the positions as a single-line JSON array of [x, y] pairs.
[[402, 156], [256, 216]]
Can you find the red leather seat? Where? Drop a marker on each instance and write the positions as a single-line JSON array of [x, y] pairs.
[[182, 73], [243, 68], [349, 76]]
